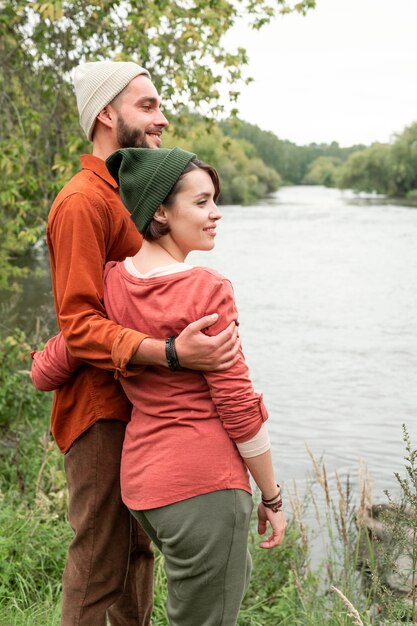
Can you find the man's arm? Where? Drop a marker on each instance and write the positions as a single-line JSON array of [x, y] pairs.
[[54, 365], [80, 235], [77, 236]]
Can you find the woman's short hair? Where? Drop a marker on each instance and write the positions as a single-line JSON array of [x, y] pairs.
[[155, 229]]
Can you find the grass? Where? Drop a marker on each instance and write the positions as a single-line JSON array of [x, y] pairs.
[[289, 585], [287, 588]]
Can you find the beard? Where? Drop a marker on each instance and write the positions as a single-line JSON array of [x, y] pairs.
[[130, 137]]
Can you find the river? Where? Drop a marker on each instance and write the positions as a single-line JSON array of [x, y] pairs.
[[325, 283]]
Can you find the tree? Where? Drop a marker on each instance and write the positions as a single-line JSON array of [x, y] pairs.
[[367, 170], [403, 163], [244, 176], [389, 169], [323, 171], [179, 42]]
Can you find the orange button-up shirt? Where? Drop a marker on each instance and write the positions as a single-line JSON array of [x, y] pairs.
[[88, 225]]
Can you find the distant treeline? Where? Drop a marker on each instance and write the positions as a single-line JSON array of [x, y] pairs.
[[245, 176], [389, 169], [291, 161], [253, 162]]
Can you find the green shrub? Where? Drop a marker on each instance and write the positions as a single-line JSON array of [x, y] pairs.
[[412, 195]]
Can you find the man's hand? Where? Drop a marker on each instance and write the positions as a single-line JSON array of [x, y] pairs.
[[197, 351]]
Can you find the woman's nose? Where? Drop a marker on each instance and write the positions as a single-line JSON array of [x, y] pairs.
[[215, 213]]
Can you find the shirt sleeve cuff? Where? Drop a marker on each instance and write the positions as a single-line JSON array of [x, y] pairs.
[[124, 347]]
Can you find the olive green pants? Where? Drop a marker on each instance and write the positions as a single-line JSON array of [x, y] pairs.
[[207, 563]]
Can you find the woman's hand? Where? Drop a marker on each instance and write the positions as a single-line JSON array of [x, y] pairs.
[[278, 525]]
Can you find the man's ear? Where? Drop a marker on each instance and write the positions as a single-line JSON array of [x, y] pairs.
[[161, 215], [107, 116]]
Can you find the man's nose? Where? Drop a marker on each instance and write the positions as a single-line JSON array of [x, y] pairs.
[[161, 120]]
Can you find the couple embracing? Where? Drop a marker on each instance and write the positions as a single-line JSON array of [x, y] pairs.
[[153, 407]]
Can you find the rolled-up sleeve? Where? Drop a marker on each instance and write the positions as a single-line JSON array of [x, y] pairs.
[[241, 409], [54, 365]]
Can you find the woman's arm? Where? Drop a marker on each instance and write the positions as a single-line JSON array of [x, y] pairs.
[[243, 414], [240, 407], [54, 365], [262, 471]]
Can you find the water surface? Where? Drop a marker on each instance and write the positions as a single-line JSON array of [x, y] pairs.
[[326, 288]]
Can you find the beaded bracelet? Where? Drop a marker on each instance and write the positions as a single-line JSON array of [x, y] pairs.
[[171, 355]]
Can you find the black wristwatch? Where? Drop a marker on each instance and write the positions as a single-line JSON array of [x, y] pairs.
[[171, 354]]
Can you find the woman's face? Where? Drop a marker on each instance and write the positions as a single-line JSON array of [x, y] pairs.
[[192, 217]]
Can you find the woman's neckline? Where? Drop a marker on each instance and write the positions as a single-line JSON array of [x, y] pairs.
[[162, 270]]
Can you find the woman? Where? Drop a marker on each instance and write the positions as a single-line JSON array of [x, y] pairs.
[[192, 435]]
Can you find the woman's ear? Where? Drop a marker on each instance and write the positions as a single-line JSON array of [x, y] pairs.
[[161, 215]]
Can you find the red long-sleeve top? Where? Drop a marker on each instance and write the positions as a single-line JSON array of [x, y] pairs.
[[180, 440], [88, 225]]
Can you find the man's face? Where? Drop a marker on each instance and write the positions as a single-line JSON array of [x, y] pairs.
[[139, 121]]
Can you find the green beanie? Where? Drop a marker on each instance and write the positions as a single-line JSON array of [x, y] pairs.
[[145, 177]]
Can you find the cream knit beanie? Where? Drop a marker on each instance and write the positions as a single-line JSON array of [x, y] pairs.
[[97, 83]]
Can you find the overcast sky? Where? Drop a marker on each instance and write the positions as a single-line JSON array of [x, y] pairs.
[[345, 72]]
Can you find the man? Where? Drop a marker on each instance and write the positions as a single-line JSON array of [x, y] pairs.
[[88, 226]]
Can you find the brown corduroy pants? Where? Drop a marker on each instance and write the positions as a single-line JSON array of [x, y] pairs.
[[109, 569]]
